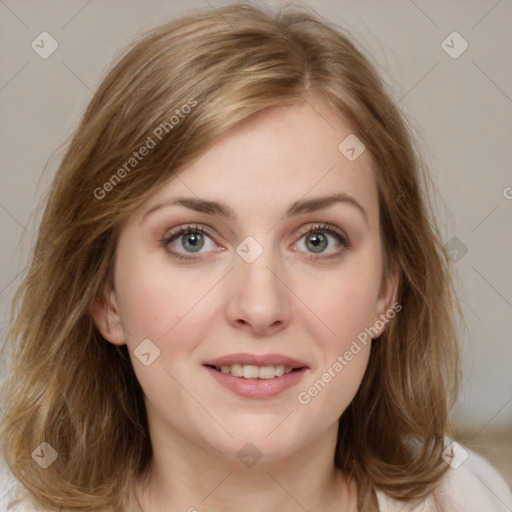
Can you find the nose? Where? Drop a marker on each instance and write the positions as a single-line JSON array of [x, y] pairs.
[[258, 298]]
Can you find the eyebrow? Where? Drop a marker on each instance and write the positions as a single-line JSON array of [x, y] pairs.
[[300, 207]]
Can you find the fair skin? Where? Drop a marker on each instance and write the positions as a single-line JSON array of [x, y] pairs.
[[284, 302]]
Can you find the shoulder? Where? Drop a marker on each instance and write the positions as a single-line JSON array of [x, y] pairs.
[[470, 485]]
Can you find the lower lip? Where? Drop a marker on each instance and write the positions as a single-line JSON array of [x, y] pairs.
[[258, 388]]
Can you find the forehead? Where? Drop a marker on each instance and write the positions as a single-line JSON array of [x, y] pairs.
[[276, 157]]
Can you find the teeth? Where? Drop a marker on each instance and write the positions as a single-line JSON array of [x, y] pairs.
[[249, 371], [266, 372], [280, 370], [236, 370]]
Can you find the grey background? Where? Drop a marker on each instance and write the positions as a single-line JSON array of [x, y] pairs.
[[461, 108]]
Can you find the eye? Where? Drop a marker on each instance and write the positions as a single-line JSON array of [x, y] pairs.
[[318, 239], [191, 239], [323, 241]]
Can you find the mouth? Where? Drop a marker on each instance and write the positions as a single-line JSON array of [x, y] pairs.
[[248, 371], [253, 376], [254, 366]]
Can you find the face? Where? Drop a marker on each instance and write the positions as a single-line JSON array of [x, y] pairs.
[[276, 278]]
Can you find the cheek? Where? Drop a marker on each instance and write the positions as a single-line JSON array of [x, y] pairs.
[[146, 307], [332, 388], [347, 305], [345, 301], [149, 302], [159, 304]]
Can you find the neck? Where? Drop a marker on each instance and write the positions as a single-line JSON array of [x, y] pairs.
[[184, 476]]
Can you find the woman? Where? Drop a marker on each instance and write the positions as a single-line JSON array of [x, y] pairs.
[[238, 298]]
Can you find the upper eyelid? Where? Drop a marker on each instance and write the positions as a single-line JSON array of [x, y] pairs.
[[302, 231]]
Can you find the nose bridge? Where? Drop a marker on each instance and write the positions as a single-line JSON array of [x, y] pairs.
[[258, 296], [257, 265]]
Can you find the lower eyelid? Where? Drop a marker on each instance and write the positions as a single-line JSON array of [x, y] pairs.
[[338, 235]]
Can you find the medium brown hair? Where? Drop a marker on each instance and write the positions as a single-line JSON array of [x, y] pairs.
[[71, 388]]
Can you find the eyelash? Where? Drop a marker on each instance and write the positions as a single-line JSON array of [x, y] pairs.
[[197, 228]]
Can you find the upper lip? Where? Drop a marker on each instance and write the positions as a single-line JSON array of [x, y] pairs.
[[256, 360]]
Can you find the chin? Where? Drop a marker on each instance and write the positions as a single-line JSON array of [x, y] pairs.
[[256, 443]]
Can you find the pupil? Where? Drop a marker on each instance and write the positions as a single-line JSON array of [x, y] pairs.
[[317, 241], [194, 241]]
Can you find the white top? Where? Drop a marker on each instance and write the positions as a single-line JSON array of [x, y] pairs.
[[470, 485]]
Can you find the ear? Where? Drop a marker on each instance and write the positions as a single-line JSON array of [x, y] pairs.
[[105, 314], [387, 296]]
